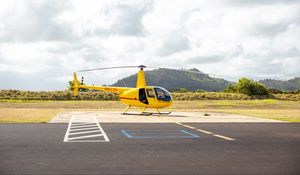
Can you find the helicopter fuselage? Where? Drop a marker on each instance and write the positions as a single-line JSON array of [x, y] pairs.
[[141, 96], [150, 97]]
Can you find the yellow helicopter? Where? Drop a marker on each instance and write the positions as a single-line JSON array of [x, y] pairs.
[[141, 96]]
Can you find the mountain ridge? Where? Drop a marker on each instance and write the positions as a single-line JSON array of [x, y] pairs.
[[173, 80], [283, 85], [193, 79]]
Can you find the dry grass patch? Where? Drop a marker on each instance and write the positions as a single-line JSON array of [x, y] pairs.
[[64, 104], [235, 104], [281, 114], [21, 115], [43, 111], [272, 109]]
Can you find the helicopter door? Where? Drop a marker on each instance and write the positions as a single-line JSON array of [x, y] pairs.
[[142, 96]]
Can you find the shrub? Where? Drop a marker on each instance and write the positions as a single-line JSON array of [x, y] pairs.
[[182, 90], [275, 91], [250, 87], [200, 91], [90, 95], [230, 89]]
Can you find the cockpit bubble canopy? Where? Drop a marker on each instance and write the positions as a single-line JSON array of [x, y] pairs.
[[162, 94]]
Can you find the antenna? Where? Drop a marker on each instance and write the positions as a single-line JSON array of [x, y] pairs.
[[82, 80], [124, 82]]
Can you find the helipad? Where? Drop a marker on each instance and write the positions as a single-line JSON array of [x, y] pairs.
[[187, 117]]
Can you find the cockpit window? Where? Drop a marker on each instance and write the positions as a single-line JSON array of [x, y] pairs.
[[162, 94], [150, 93]]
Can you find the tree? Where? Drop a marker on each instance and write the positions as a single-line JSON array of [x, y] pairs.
[[230, 89], [250, 87], [182, 90]]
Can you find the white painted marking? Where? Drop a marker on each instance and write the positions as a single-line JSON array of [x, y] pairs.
[[68, 130], [187, 126], [206, 132], [84, 132], [87, 141], [223, 137], [83, 126], [83, 129], [86, 127], [83, 137], [104, 134], [191, 127], [80, 123]]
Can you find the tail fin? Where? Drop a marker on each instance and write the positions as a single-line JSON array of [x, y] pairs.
[[76, 85]]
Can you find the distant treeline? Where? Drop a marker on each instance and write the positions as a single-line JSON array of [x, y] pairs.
[[103, 96], [55, 95]]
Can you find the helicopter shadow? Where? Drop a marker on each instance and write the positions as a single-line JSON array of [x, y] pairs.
[[179, 116], [171, 115]]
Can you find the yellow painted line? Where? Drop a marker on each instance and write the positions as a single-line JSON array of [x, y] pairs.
[[223, 137], [206, 132]]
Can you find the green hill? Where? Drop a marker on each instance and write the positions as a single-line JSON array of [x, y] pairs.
[[287, 85], [175, 79]]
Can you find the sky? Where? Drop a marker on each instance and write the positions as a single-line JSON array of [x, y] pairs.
[[42, 42]]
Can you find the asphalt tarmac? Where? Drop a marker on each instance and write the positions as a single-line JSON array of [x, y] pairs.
[[153, 148]]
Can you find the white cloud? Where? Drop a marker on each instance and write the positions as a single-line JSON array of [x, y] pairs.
[[29, 21], [43, 42]]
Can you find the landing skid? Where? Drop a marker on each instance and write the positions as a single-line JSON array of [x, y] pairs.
[[148, 113], [145, 113]]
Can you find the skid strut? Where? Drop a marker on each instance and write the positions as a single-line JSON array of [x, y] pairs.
[[148, 113], [145, 113]]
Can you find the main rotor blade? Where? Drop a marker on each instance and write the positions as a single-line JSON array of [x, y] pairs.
[[142, 66], [103, 68]]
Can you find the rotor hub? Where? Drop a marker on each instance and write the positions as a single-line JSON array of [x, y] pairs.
[[141, 67]]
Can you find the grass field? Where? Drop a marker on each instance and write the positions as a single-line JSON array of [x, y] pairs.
[[26, 115], [18, 111]]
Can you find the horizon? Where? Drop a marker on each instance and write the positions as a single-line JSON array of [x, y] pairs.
[[43, 42], [212, 76]]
